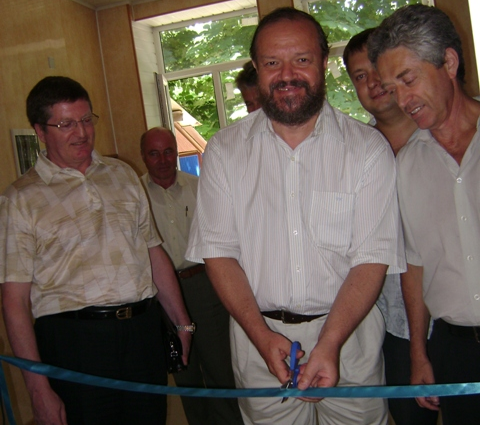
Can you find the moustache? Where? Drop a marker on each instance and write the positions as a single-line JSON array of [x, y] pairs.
[[292, 83]]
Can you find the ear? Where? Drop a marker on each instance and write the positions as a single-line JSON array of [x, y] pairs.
[[451, 62], [254, 65], [40, 133]]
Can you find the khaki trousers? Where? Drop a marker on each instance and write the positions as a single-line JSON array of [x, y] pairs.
[[361, 363]]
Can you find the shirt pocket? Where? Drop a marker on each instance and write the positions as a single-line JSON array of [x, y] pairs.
[[331, 220]]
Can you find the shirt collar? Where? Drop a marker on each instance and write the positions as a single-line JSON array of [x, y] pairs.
[[47, 170], [179, 181]]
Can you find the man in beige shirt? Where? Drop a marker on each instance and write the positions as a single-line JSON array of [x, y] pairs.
[[82, 254], [173, 196]]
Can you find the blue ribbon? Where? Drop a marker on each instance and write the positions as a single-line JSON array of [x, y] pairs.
[[7, 405], [406, 391]]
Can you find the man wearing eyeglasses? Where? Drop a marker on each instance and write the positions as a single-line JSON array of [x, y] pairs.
[[83, 257]]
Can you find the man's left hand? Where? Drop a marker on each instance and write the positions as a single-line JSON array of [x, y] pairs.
[[321, 370]]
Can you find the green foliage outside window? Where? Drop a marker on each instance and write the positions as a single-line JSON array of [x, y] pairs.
[[226, 40], [207, 44]]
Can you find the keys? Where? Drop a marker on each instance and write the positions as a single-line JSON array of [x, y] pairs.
[[294, 369]]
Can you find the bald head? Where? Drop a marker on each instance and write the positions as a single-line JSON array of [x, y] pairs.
[[159, 153]]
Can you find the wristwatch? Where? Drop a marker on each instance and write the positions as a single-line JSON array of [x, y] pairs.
[[187, 328]]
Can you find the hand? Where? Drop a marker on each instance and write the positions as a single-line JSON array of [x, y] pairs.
[[186, 339], [422, 374], [275, 348], [321, 370], [48, 408]]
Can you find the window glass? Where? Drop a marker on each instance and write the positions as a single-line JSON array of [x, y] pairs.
[[207, 43], [342, 19], [196, 96], [235, 108]]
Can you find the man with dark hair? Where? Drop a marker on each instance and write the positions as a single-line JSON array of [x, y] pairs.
[[397, 128], [81, 251], [418, 55], [297, 222], [173, 196], [247, 83]]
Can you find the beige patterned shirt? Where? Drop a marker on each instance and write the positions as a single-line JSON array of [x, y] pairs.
[[81, 240]]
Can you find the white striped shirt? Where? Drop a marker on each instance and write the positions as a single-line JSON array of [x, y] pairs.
[[298, 220]]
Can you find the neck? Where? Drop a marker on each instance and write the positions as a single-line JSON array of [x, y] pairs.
[[456, 131], [294, 135], [165, 183], [397, 129]]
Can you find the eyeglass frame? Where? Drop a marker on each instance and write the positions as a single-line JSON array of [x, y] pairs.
[[94, 117]]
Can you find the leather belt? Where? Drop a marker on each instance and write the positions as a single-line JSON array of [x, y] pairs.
[[292, 318], [119, 312], [472, 332], [191, 271]]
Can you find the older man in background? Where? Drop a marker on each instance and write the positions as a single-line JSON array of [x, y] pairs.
[[172, 196]]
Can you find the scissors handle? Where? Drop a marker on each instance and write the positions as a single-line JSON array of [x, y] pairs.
[[294, 362]]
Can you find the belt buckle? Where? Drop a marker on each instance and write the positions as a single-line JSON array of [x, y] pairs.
[[124, 313]]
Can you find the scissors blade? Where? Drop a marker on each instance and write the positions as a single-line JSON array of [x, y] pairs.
[[286, 385]]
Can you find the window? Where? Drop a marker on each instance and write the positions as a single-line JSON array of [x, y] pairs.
[[201, 60]]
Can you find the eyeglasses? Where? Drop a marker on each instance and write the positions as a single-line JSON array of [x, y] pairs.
[[69, 125]]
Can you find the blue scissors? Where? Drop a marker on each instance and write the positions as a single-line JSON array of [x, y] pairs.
[[294, 369]]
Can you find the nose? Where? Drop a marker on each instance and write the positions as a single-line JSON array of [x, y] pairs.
[[373, 79], [401, 96], [287, 71], [80, 128]]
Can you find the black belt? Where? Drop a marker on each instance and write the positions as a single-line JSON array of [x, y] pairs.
[[191, 271], [287, 317], [471, 332], [120, 312]]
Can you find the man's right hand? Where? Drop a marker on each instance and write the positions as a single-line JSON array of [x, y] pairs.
[[275, 348], [422, 374], [48, 408]]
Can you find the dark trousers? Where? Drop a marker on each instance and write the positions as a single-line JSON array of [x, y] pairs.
[[210, 364], [404, 411], [129, 350], [456, 359]]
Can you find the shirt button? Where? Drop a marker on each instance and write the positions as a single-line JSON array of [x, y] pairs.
[[459, 180], [464, 218], [292, 159], [298, 269], [292, 194], [476, 297], [295, 232], [172, 221], [469, 257]]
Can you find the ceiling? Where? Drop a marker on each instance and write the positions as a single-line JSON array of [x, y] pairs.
[[186, 15]]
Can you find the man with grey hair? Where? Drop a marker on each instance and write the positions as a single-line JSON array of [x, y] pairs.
[[418, 54]]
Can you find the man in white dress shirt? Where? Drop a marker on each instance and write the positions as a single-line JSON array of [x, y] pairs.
[[418, 54], [297, 223]]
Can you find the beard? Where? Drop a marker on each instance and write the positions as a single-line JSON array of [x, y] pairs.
[[293, 110]]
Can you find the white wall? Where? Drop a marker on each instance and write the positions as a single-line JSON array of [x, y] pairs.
[[475, 17], [147, 65]]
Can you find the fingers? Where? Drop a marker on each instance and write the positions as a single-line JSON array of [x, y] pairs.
[[432, 403]]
